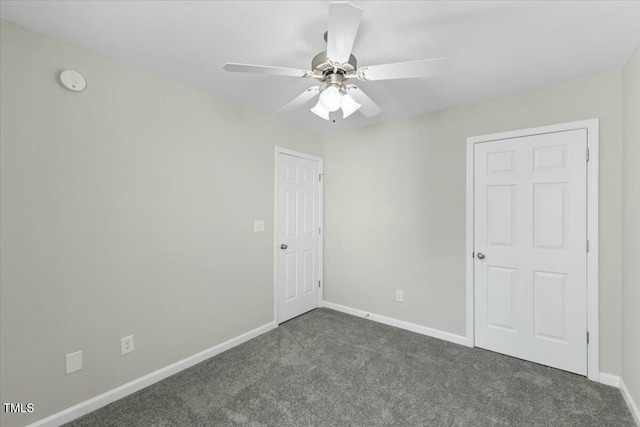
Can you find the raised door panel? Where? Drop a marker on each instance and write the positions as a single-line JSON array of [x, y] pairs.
[[291, 213], [550, 215], [550, 305], [291, 276], [308, 213], [501, 298], [501, 215], [308, 268], [551, 158], [501, 162], [291, 172]]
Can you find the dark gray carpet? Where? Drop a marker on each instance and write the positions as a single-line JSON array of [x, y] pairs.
[[330, 369]]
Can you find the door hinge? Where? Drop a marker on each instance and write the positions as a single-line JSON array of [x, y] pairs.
[[319, 230], [587, 337], [473, 254], [318, 283], [320, 177], [587, 154], [587, 246]]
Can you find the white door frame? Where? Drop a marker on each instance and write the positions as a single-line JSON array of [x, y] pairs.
[[592, 127], [276, 244]]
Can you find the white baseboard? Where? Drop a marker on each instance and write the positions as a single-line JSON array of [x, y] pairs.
[[609, 379], [633, 406], [616, 381], [110, 396], [423, 330]]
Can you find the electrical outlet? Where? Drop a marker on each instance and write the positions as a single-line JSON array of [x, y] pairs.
[[126, 344], [258, 226], [399, 296]]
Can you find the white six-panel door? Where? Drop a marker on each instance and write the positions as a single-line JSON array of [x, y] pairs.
[[530, 237], [298, 236]]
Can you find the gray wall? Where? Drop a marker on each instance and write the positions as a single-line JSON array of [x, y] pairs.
[[395, 205], [631, 227], [126, 209]]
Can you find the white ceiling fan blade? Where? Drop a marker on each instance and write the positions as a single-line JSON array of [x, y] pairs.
[[265, 69], [403, 70], [344, 20], [368, 107], [301, 99]]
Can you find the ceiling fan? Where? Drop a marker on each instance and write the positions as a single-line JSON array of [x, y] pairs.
[[336, 66]]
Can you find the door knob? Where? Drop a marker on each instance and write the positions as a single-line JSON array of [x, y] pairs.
[[283, 247], [480, 255]]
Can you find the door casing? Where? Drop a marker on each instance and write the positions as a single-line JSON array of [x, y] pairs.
[[276, 244], [592, 127]]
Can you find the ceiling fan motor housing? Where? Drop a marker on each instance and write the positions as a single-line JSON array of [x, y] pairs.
[[322, 66]]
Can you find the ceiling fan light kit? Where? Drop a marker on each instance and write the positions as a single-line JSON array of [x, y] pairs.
[[335, 66], [320, 111], [330, 98], [349, 105]]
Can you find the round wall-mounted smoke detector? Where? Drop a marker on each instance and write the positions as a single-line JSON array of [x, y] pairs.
[[73, 80]]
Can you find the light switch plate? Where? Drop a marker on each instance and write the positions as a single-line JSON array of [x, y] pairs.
[[74, 362], [258, 226]]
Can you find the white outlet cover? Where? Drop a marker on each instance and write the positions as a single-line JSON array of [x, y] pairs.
[[399, 296], [74, 362], [126, 344], [258, 226]]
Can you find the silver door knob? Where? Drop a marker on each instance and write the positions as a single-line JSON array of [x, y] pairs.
[[283, 246], [480, 255]]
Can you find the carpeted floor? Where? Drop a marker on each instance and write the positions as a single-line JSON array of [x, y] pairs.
[[326, 368]]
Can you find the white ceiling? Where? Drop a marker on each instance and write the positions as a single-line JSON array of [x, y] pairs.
[[492, 47]]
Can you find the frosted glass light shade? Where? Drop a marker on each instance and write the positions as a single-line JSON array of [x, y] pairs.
[[349, 106], [331, 99], [320, 111]]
